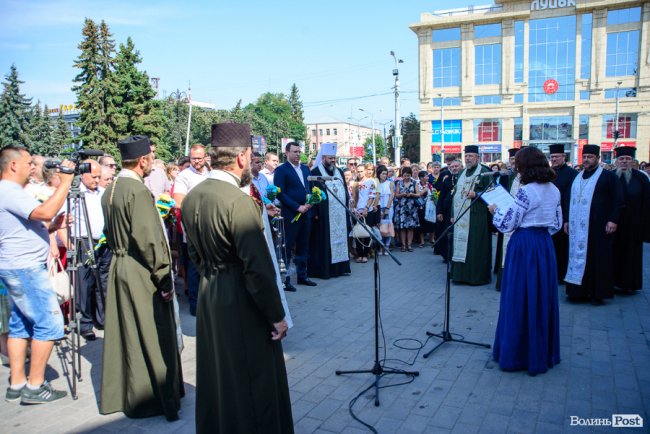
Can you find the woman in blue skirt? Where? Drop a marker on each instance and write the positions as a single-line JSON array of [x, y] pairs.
[[528, 330]]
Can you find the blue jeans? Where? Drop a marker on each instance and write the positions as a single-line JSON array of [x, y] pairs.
[[35, 311]]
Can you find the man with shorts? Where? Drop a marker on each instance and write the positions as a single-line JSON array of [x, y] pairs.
[[25, 224]]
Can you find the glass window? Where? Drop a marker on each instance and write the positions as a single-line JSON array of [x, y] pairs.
[[487, 64], [585, 95], [519, 128], [519, 98], [627, 124], [327, 132], [487, 30], [336, 131], [585, 59], [622, 16], [519, 51], [623, 92], [444, 35], [487, 99], [446, 67], [552, 56], [320, 131], [450, 101], [551, 128], [583, 127], [313, 132], [622, 53], [487, 130]]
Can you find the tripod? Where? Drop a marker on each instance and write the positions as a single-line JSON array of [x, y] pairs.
[[445, 334], [377, 370], [77, 245]]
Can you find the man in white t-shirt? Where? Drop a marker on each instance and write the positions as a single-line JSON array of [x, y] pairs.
[[271, 162]]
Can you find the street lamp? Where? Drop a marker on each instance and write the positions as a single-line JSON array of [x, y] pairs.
[[442, 123], [372, 122], [616, 132], [383, 124], [179, 96], [398, 124]]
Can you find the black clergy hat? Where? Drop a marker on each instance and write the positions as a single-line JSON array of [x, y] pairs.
[[512, 152], [134, 147], [556, 149], [591, 149], [230, 134], [622, 151], [471, 149]]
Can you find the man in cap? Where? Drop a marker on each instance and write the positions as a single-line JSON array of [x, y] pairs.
[[633, 228], [241, 379], [472, 248], [591, 220], [329, 253], [563, 182], [141, 368]]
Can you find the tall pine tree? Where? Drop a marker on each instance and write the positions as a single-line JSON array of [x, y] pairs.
[[61, 135], [15, 112], [41, 132], [109, 84]]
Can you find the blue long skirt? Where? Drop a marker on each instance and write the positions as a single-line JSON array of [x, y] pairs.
[[528, 330]]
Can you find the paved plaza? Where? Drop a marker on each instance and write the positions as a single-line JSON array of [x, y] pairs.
[[604, 370]]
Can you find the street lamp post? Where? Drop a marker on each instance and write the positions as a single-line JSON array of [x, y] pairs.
[[383, 124], [178, 96], [442, 123], [397, 145], [616, 132], [372, 122]]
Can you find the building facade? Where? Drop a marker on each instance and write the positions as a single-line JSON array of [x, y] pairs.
[[535, 72], [349, 137]]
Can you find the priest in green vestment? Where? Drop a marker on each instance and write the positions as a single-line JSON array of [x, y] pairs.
[[241, 378], [141, 368], [472, 245]]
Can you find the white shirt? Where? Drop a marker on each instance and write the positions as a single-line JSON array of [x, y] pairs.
[[188, 179], [536, 205], [298, 172], [93, 201], [269, 175], [367, 191]]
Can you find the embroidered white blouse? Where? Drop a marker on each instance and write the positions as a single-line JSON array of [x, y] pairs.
[[535, 205]]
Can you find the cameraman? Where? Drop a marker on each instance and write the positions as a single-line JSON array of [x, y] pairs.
[[24, 248]]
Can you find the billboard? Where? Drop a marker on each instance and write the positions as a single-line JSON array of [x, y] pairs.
[[453, 130]]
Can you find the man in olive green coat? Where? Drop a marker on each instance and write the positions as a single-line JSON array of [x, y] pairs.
[[141, 370], [241, 379]]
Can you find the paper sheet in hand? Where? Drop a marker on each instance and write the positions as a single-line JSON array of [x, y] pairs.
[[498, 196]]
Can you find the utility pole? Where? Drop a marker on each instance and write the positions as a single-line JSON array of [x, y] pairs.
[[442, 125], [398, 124], [189, 119], [616, 132]]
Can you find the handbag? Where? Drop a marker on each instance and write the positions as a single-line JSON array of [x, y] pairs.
[[59, 279], [359, 231], [430, 211], [386, 229]]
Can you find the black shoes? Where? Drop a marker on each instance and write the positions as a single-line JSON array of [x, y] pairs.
[[306, 282], [289, 287], [89, 335]]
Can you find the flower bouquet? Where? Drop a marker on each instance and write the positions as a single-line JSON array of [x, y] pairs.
[[164, 205], [435, 194], [315, 197], [272, 193]]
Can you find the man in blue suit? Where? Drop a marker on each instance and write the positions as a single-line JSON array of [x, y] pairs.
[[291, 179]]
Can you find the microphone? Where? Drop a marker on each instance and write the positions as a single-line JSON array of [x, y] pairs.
[[497, 174], [321, 178]]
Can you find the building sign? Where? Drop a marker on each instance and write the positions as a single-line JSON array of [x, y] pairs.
[[609, 146], [63, 109], [540, 5], [551, 86], [436, 150], [356, 151], [259, 144], [453, 131], [452, 149], [489, 149]]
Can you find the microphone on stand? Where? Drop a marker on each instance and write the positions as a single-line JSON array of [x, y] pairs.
[[321, 178], [497, 174]]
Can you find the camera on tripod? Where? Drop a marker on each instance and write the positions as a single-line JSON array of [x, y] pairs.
[[75, 157]]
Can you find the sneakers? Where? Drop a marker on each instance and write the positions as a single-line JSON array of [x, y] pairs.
[[42, 395], [13, 395]]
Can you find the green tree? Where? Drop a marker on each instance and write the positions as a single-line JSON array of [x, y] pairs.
[[411, 138], [41, 132], [110, 86], [379, 145], [15, 112], [61, 136]]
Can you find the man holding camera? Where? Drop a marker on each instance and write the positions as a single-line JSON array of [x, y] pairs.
[[24, 249]]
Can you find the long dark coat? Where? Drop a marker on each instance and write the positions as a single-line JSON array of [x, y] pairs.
[[606, 204], [320, 254], [631, 232], [241, 379], [141, 370], [563, 182]]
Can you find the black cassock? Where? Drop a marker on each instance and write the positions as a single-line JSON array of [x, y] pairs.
[[632, 231], [320, 254], [445, 185], [563, 182], [606, 204]]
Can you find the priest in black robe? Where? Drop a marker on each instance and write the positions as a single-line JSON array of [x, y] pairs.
[[445, 185], [634, 222], [563, 182], [591, 220], [328, 256]]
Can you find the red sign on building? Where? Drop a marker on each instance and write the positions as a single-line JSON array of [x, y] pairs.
[[551, 86], [452, 149]]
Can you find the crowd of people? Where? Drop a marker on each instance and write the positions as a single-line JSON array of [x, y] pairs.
[[236, 225]]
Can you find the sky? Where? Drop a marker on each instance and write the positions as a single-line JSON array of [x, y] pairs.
[[336, 52]]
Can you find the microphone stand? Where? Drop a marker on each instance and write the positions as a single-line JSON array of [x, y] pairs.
[[377, 369], [445, 334]]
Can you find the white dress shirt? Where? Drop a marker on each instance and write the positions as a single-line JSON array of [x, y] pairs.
[[298, 170]]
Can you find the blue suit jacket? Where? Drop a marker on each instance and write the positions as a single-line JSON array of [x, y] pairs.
[[292, 191]]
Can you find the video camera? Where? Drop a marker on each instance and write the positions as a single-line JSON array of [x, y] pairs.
[[75, 157]]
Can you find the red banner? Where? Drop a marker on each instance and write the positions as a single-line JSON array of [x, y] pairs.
[[356, 151], [581, 144], [452, 149], [609, 146]]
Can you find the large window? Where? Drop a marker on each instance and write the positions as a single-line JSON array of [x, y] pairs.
[[519, 128], [446, 67], [623, 16], [487, 99], [487, 64], [585, 57], [519, 51], [487, 130], [552, 56], [449, 101], [583, 127], [549, 128], [622, 53], [623, 92], [626, 125], [487, 31], [445, 35]]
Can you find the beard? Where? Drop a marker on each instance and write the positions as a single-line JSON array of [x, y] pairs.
[[627, 174], [246, 178]]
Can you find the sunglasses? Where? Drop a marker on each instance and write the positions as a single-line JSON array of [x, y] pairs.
[[112, 166], [353, 164]]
